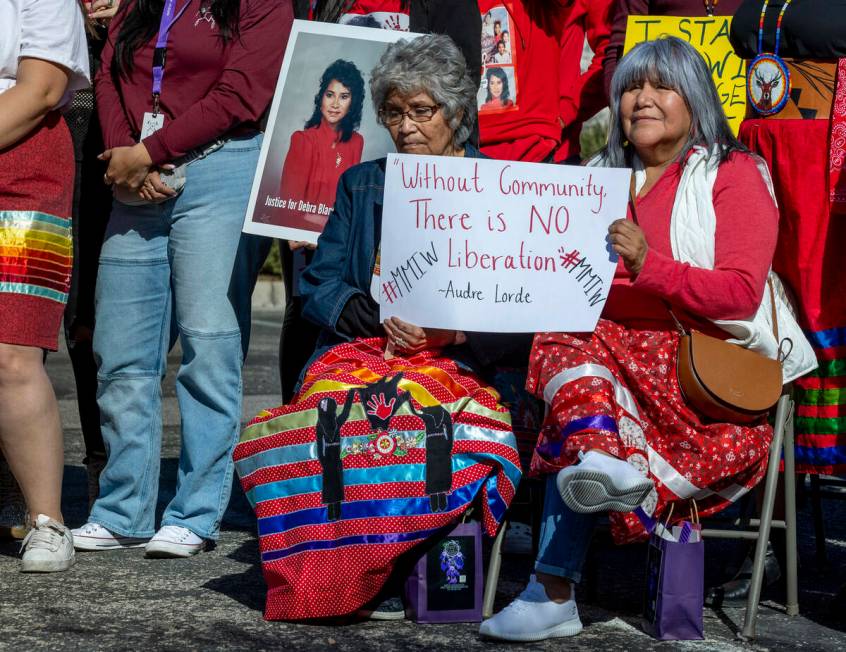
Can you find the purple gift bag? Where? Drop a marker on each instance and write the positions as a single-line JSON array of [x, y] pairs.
[[446, 584], [675, 585]]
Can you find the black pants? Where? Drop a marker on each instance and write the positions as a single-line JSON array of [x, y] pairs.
[[91, 208], [299, 336]]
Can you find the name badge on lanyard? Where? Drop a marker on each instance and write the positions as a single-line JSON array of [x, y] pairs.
[[153, 121]]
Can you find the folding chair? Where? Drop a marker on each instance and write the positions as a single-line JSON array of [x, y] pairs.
[[782, 442]]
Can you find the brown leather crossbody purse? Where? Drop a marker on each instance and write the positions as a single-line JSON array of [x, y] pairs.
[[723, 381]]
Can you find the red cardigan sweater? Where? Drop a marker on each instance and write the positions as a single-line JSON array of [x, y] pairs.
[[747, 226], [552, 95]]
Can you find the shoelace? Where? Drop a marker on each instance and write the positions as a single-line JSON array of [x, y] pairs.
[[91, 528], [175, 533], [46, 536]]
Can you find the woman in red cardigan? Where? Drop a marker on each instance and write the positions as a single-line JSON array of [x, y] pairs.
[[619, 435]]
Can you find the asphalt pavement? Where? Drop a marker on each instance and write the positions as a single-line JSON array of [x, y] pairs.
[[121, 601]]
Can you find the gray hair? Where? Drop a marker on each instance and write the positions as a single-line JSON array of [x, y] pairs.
[[432, 64], [671, 62]]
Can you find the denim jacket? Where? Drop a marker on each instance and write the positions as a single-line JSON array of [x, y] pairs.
[[342, 266]]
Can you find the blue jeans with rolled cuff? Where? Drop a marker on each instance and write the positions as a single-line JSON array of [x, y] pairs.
[[564, 537], [177, 269]]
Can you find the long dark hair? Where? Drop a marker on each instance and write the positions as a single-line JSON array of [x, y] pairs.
[[499, 73], [329, 11], [142, 23], [347, 74]]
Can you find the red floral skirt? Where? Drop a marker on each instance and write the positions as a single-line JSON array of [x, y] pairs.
[[616, 390]]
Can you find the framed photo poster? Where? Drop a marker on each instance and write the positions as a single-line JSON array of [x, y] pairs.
[[321, 123]]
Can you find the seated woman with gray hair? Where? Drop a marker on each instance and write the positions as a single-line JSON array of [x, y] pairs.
[[698, 240], [393, 432]]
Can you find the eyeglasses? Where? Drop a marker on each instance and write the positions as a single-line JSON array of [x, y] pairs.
[[392, 117]]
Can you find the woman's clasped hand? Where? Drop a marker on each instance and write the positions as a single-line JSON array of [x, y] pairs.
[[409, 338], [132, 168]]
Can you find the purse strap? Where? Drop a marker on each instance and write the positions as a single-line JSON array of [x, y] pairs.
[[679, 326]]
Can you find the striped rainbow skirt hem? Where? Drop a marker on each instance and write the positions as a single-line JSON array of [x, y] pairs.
[[36, 242]]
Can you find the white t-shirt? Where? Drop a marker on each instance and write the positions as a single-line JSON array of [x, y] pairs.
[[52, 30]]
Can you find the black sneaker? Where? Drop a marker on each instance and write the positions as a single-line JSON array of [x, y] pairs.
[[384, 608]]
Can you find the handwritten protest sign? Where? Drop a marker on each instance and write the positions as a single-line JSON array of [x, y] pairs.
[[710, 36], [485, 245]]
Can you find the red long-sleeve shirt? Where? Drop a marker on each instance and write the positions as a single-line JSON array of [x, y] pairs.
[[654, 8], [547, 87], [747, 226], [210, 89], [581, 95]]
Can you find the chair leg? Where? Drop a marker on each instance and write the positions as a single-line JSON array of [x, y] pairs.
[[792, 606], [773, 463], [494, 565], [819, 524]]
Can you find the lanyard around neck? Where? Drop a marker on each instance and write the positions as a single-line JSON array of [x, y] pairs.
[[169, 17], [778, 26]]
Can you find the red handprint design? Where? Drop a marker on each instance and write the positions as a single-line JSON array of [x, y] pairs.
[[378, 407], [393, 22]]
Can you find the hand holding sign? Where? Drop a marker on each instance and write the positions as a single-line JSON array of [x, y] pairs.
[[628, 240], [495, 246]]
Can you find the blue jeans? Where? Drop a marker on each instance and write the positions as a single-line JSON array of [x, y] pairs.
[[564, 536], [180, 268]]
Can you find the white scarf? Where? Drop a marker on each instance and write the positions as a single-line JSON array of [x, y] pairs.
[[693, 225]]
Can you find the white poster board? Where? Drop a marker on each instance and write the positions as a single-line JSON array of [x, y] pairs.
[[497, 246], [293, 191]]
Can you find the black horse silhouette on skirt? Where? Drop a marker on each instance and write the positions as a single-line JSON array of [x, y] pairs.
[[328, 429], [381, 401], [439, 440]]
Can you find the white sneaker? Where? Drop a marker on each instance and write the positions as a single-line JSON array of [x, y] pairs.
[[532, 616], [47, 547], [174, 541], [93, 536], [601, 483]]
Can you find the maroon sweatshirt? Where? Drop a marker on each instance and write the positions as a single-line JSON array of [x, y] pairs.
[[654, 8], [209, 89]]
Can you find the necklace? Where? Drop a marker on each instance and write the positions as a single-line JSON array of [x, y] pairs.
[[338, 158], [710, 5], [768, 78]]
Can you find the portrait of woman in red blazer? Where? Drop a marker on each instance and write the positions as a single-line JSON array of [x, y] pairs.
[[327, 146]]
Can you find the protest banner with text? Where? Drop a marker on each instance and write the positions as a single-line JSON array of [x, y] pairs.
[[497, 246], [709, 35]]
